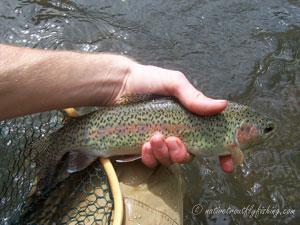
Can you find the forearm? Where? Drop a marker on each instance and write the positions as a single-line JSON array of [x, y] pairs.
[[38, 80]]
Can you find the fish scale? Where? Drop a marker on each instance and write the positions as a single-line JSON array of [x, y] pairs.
[[124, 128]]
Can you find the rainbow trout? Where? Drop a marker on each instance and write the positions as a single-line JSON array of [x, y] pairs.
[[124, 128]]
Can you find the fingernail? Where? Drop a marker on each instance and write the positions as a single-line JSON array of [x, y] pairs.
[[148, 146], [219, 101], [173, 146], [157, 142], [148, 149]]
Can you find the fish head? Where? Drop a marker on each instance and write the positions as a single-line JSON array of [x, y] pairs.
[[254, 129]]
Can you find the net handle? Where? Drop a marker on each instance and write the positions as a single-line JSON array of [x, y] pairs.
[[112, 179]]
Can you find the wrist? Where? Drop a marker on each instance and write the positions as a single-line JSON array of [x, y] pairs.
[[101, 78]]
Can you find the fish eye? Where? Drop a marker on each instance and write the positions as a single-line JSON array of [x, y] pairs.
[[269, 127]]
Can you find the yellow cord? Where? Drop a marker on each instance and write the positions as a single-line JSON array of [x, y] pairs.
[[112, 179], [115, 189]]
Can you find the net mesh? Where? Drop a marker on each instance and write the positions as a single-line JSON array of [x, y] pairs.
[[80, 198]]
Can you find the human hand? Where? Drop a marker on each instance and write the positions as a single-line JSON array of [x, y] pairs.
[[73, 79], [154, 80]]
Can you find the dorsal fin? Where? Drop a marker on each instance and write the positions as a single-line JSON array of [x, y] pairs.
[[71, 116], [66, 120], [135, 98]]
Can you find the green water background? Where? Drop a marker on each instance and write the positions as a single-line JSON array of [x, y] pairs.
[[244, 51]]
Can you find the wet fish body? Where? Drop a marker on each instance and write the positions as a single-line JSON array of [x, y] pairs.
[[123, 129]]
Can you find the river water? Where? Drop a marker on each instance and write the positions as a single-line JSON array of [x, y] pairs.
[[244, 51]]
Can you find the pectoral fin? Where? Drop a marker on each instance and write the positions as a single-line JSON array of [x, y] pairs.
[[79, 161], [237, 155]]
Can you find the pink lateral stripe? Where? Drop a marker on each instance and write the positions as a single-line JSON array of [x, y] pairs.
[[129, 129]]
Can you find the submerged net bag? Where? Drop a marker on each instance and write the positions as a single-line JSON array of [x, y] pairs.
[[81, 198]]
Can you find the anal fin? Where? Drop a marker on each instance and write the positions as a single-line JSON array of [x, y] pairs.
[[79, 161]]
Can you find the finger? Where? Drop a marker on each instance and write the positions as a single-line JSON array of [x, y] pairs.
[[160, 149], [226, 162], [177, 151], [148, 157]]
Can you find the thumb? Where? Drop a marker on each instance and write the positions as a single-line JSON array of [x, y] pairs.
[[196, 101]]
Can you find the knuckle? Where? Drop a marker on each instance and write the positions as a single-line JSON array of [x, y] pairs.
[[179, 75], [177, 81]]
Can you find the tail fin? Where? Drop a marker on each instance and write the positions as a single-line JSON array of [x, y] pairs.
[[45, 158]]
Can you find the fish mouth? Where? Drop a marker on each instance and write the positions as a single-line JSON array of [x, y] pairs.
[[271, 135], [273, 132]]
